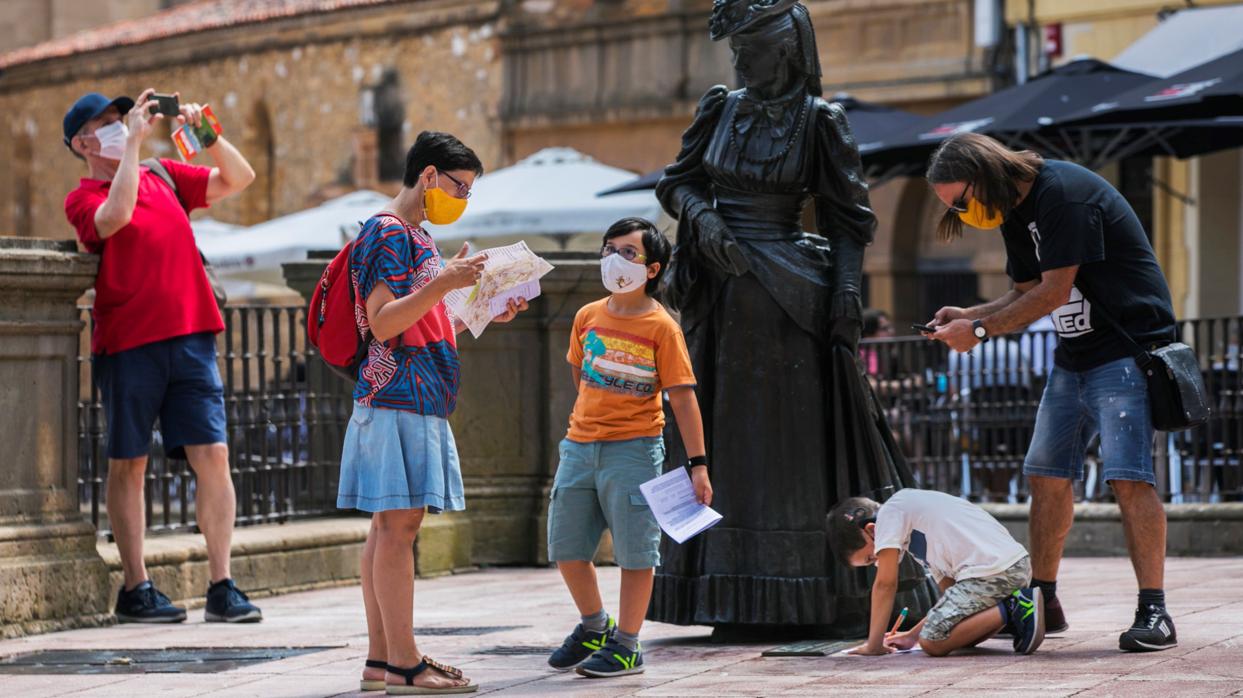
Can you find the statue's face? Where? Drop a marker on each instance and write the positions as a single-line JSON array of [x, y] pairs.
[[758, 63]]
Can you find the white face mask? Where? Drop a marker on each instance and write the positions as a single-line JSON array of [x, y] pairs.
[[112, 140], [620, 275]]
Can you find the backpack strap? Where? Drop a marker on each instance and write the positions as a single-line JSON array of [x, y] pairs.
[[157, 168]]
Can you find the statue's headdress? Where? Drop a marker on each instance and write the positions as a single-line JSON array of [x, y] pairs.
[[770, 20]]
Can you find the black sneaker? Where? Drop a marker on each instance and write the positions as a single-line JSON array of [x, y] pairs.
[[1026, 611], [1153, 630], [579, 645], [1054, 620], [227, 604], [614, 659], [145, 604]]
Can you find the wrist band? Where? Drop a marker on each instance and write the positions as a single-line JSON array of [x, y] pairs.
[[698, 460]]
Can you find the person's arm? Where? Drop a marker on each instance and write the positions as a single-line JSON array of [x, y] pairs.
[[231, 173], [389, 315], [577, 374], [118, 209], [884, 589], [949, 313], [1044, 296], [691, 427]]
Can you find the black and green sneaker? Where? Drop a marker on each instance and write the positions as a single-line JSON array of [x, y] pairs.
[[614, 659], [579, 646], [1026, 610]]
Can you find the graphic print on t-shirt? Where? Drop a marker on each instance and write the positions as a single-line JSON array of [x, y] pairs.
[[619, 362], [1075, 318]]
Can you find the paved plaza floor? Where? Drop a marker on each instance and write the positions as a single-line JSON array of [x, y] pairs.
[[493, 623]]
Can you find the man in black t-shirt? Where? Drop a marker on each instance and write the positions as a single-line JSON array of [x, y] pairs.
[[1076, 251]]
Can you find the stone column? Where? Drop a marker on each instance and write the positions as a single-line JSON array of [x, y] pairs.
[[51, 574]]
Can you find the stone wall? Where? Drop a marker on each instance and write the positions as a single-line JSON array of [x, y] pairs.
[[288, 93]]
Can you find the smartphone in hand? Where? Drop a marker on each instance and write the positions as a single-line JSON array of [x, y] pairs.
[[168, 105], [926, 329]]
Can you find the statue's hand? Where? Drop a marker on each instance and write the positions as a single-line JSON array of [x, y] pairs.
[[717, 245], [846, 319]]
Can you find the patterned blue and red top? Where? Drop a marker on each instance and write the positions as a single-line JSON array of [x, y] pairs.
[[418, 371]]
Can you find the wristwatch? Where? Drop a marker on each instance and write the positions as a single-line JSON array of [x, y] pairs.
[[977, 327]]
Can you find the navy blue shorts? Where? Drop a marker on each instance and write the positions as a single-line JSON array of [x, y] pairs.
[[174, 379]]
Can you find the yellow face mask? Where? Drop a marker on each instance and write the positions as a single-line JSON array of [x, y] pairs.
[[441, 208], [977, 216]]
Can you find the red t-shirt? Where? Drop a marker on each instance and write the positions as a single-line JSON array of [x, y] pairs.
[[151, 283]]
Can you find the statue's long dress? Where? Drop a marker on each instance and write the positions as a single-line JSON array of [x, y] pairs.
[[791, 424]]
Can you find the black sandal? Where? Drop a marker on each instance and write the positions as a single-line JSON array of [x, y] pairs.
[[373, 684], [409, 689]]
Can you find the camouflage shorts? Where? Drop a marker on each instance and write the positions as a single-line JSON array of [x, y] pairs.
[[970, 596]]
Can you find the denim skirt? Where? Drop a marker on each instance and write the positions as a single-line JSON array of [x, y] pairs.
[[394, 459]]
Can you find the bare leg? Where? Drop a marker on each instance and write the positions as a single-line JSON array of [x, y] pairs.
[[972, 631], [1052, 513], [127, 515], [636, 594], [377, 646], [393, 582], [580, 579], [1143, 521], [215, 504]]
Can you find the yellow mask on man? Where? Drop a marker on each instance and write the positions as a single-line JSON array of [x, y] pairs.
[[977, 216], [441, 208]]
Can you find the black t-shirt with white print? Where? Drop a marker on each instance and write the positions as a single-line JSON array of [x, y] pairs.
[[1072, 216]]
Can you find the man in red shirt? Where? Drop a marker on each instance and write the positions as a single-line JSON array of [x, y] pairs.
[[154, 347]]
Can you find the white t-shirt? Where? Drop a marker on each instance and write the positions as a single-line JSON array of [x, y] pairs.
[[954, 538]]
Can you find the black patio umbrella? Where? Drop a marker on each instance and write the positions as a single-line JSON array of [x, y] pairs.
[[1207, 91], [869, 122], [1014, 115]]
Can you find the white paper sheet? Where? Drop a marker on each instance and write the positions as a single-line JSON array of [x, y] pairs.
[[846, 653], [510, 272], [672, 499]]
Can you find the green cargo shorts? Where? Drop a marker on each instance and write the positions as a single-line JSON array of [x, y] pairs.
[[597, 487], [970, 596]]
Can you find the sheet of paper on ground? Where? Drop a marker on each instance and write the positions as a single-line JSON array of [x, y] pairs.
[[510, 273], [672, 499]]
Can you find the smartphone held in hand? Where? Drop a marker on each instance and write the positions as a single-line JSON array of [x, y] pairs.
[[168, 105]]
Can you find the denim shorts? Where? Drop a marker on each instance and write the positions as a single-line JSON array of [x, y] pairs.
[[176, 380], [1110, 400], [395, 459], [597, 487]]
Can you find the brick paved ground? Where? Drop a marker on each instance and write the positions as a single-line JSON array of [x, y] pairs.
[[1204, 595]]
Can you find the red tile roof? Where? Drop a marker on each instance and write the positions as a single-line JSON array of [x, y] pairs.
[[183, 19]]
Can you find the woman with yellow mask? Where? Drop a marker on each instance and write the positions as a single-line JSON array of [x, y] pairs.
[[1075, 250]]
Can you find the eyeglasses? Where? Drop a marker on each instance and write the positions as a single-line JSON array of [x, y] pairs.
[[629, 254], [463, 190], [960, 204]]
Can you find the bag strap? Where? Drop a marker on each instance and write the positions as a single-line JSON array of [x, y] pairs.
[[157, 168], [1142, 356]]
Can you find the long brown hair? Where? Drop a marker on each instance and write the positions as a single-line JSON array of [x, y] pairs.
[[992, 170]]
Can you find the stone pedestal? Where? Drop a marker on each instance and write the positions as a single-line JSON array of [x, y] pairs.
[[51, 574]]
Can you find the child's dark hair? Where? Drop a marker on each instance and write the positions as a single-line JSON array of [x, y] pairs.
[[846, 523], [655, 245], [442, 151]]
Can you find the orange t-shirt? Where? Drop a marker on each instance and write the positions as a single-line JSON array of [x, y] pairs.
[[625, 363]]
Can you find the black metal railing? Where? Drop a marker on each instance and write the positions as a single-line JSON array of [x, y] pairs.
[[286, 417], [964, 421]]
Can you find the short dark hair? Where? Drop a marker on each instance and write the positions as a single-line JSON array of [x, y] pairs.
[[442, 151], [655, 246], [846, 522], [992, 170]]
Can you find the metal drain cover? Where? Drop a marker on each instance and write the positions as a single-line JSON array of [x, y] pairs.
[[174, 660], [468, 630]]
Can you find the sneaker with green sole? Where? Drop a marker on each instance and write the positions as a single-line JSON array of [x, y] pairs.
[[614, 659], [579, 645]]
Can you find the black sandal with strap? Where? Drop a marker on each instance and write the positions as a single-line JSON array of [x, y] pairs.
[[373, 684], [409, 689]]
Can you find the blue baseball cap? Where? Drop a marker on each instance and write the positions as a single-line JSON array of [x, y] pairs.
[[89, 106]]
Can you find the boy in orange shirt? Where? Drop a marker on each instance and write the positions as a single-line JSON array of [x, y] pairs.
[[625, 351]]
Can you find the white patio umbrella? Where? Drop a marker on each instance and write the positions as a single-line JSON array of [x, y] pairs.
[[264, 247], [553, 193]]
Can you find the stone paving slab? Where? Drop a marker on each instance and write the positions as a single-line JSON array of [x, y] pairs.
[[1204, 595]]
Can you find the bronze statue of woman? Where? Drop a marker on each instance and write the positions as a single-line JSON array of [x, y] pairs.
[[772, 316]]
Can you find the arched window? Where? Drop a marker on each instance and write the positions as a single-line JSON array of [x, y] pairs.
[[259, 199], [390, 114]]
